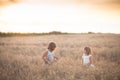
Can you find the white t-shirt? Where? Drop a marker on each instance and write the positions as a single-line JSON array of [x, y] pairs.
[[50, 56], [86, 59]]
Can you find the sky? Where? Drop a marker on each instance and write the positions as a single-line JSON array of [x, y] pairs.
[[76, 16]]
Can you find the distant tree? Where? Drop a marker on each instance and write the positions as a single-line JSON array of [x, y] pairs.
[[8, 1], [55, 32], [90, 32], [14, 0]]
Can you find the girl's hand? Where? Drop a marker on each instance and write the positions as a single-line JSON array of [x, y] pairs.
[[92, 65], [56, 59]]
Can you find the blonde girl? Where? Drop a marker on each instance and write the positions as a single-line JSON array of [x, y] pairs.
[[48, 55], [87, 57]]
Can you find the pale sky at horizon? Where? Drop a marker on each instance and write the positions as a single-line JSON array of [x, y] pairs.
[[39, 16]]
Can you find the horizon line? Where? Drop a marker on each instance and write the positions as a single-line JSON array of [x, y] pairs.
[[58, 32]]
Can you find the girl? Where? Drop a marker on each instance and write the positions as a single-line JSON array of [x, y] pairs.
[[48, 56], [87, 57]]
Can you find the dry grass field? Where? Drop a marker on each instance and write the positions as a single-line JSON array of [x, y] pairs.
[[20, 57]]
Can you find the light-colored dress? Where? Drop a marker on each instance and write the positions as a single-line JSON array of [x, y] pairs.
[[86, 59], [50, 56]]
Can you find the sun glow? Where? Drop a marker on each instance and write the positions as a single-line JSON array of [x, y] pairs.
[[24, 17]]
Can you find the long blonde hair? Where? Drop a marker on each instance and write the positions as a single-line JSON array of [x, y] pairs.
[[88, 50]]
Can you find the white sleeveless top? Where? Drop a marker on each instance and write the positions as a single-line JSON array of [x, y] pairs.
[[86, 59], [50, 56]]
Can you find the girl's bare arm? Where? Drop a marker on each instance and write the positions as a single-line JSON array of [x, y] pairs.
[[82, 60], [56, 58], [44, 56], [91, 61]]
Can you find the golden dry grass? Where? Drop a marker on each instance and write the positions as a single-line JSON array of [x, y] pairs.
[[20, 57]]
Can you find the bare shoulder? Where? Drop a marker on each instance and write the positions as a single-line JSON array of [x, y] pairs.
[[45, 52], [91, 56]]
